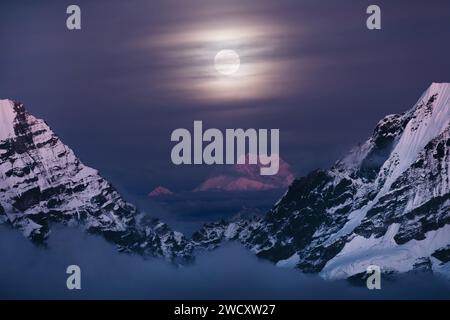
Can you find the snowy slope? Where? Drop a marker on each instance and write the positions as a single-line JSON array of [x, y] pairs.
[[386, 203], [42, 182]]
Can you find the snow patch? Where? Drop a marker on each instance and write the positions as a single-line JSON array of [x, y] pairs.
[[361, 252], [7, 117]]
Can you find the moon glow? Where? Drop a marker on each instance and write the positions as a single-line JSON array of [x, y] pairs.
[[227, 62]]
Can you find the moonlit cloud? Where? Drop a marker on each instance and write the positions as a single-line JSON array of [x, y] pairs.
[[188, 52]]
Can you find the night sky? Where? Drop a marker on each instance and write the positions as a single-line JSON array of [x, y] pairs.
[[115, 90]]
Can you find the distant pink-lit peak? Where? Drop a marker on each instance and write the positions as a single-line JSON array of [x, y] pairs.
[[160, 191], [246, 177], [228, 183]]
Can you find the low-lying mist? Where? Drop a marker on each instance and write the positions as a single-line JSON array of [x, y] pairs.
[[231, 272]]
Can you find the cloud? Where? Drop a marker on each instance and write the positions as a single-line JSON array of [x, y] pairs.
[[186, 50], [27, 271]]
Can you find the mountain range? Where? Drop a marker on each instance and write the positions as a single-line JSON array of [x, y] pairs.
[[386, 203]]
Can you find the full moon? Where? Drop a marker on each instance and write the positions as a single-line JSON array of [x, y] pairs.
[[227, 62]]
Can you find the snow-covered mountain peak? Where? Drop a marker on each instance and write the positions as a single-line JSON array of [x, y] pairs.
[[6, 103], [386, 203], [246, 177], [160, 191], [42, 182], [430, 117], [437, 87]]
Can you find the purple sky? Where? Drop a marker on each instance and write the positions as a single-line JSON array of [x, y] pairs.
[[137, 70]]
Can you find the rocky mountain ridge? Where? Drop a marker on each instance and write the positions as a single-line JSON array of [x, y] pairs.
[[43, 183], [386, 203]]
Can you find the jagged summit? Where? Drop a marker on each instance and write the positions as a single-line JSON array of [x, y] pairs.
[[43, 182], [437, 87], [386, 203]]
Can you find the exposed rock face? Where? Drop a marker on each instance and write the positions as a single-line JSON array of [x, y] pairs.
[[43, 182], [386, 203]]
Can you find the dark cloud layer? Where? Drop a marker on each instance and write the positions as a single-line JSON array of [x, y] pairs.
[[228, 273]]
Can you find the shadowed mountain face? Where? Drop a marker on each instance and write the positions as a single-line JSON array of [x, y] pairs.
[[386, 203], [43, 182]]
